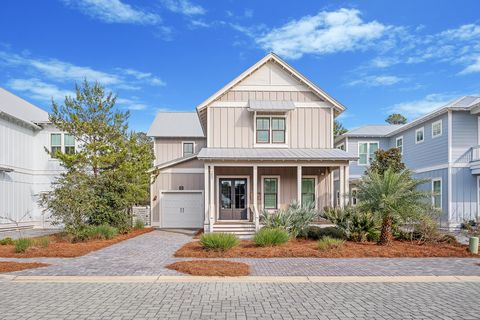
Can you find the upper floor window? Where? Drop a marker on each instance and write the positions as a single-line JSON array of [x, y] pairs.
[[419, 135], [366, 152], [437, 129], [399, 144], [56, 145], [188, 148], [270, 130]]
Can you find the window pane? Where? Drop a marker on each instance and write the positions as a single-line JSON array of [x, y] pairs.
[[362, 159], [270, 201], [278, 136], [363, 148], [420, 135], [399, 142], [56, 139], [226, 195], [69, 140], [278, 124], [308, 198], [263, 123], [187, 148], [270, 185], [437, 197], [262, 136], [308, 185], [373, 148]]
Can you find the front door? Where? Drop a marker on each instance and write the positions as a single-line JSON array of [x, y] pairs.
[[233, 199]]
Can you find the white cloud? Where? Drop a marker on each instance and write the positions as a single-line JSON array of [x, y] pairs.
[[324, 33], [38, 89], [114, 11], [131, 104], [377, 81], [416, 108], [472, 68], [184, 7], [144, 76]]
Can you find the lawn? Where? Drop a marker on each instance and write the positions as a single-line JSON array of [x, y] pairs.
[[61, 247], [309, 248]]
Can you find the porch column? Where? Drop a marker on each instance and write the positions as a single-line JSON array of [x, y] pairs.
[[256, 217], [206, 201], [347, 185], [299, 184], [332, 187], [342, 186], [212, 197]]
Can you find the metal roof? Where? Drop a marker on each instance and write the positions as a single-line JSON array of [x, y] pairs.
[[279, 106], [274, 154], [18, 108], [176, 124], [373, 130]]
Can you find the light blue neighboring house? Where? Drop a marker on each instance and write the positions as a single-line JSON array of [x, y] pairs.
[[443, 145]]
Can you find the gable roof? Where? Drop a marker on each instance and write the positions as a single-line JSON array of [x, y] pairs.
[[339, 108], [376, 130], [20, 109], [176, 124]]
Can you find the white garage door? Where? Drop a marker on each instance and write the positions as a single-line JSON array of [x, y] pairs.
[[182, 210]]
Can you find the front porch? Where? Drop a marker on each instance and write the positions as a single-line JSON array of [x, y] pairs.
[[236, 193]]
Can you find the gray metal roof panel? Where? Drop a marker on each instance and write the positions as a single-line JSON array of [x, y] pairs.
[[373, 130], [176, 124], [274, 154]]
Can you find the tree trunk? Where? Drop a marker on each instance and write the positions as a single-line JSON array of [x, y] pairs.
[[386, 233]]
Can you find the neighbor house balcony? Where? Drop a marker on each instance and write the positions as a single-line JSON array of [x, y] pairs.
[[475, 159]]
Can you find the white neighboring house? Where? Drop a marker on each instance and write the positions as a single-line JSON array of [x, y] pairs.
[[26, 169]]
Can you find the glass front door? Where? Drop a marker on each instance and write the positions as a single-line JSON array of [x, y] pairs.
[[233, 199]]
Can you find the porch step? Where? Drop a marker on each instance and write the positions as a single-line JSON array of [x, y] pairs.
[[243, 231]]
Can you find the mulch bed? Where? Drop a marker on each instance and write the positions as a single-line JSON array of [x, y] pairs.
[[60, 247], [308, 248], [218, 268], [9, 266]]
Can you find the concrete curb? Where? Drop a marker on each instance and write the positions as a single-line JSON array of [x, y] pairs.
[[247, 279]]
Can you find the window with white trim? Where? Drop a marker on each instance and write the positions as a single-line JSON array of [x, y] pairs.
[[437, 193], [308, 191], [55, 143], [366, 152], [69, 143], [270, 193], [270, 130], [420, 135], [399, 144], [62, 142], [437, 129], [188, 148]]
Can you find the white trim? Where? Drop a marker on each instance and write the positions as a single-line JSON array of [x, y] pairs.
[[478, 196], [209, 123], [441, 192], [396, 143], [183, 150], [423, 135], [270, 143], [270, 87], [478, 130], [316, 188], [261, 163], [160, 203], [217, 196], [183, 170], [441, 128], [368, 151], [332, 130], [244, 104], [346, 144], [262, 177], [450, 164], [441, 166]]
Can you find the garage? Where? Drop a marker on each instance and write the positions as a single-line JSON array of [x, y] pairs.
[[182, 209]]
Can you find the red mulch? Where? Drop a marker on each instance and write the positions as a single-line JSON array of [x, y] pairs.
[[219, 268], [308, 248], [9, 266], [61, 247]]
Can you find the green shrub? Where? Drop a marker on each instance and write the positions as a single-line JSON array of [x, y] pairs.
[[316, 233], [270, 237], [356, 225], [101, 232], [296, 219], [218, 241], [22, 244], [42, 242], [7, 241], [327, 243], [139, 224]]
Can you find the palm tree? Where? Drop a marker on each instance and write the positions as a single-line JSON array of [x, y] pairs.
[[393, 196]]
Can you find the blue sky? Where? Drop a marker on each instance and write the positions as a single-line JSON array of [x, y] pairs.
[[375, 57]]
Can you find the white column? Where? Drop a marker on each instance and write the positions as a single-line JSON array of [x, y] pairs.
[[206, 193], [342, 186], [332, 187], [212, 197], [299, 184], [347, 185], [256, 217]]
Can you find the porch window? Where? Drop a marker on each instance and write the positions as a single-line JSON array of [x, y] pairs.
[[437, 193], [366, 152], [188, 148], [69, 142], [308, 191], [55, 143], [270, 193], [263, 130]]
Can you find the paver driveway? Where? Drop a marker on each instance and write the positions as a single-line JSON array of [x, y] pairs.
[[149, 253], [239, 301]]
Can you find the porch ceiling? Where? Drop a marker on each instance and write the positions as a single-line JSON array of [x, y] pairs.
[[278, 154]]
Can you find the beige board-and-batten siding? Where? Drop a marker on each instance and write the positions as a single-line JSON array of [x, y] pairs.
[[167, 149]]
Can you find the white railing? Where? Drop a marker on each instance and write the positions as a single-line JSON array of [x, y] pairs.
[[475, 155]]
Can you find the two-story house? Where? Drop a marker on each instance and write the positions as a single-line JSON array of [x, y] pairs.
[[442, 146], [259, 143], [26, 170]]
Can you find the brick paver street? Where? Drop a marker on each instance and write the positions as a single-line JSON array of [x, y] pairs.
[[239, 301]]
